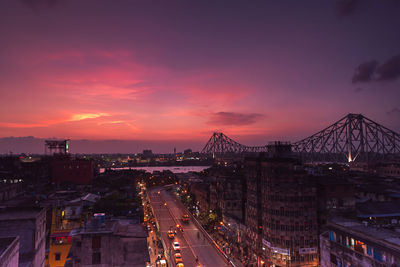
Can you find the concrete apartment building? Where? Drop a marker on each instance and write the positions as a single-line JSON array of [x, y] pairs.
[[351, 243], [9, 251], [281, 213], [29, 224], [109, 243]]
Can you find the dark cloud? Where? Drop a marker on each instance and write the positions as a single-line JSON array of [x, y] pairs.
[[364, 72], [390, 70], [393, 112], [35, 4], [232, 118], [346, 7], [358, 89], [372, 71]]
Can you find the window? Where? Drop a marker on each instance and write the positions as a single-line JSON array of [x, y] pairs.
[[57, 256], [369, 250], [96, 242], [377, 255], [96, 258]]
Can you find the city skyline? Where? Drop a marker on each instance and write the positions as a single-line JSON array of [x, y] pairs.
[[180, 71]]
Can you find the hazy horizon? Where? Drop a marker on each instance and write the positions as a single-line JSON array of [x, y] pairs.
[[35, 145]]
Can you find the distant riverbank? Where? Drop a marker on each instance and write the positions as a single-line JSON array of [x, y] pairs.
[[174, 169]]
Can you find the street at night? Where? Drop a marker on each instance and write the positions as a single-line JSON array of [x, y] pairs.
[[193, 242]]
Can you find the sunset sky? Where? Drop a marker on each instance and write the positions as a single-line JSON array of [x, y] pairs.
[[180, 70]]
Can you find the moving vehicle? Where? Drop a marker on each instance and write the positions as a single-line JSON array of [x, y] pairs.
[[176, 246], [180, 265], [171, 233], [161, 263], [178, 258], [185, 218]]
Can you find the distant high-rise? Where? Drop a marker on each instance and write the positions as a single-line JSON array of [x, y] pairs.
[[147, 153]]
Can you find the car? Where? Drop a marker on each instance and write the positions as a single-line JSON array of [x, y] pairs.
[[180, 264], [178, 258], [161, 263], [176, 246], [185, 218], [171, 234]]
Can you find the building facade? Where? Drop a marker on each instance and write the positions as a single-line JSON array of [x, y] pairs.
[[112, 243], [30, 225], [289, 214], [66, 169], [281, 213], [9, 251], [253, 216], [350, 243]]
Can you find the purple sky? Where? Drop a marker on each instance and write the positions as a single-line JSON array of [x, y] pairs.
[[178, 70]]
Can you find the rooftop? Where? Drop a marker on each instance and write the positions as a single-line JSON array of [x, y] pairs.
[[120, 227], [19, 213], [381, 236], [5, 243], [378, 209], [88, 197]]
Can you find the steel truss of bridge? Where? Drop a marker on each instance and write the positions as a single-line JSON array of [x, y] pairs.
[[220, 144], [352, 138]]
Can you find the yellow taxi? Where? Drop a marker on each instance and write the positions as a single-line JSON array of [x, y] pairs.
[[178, 258]]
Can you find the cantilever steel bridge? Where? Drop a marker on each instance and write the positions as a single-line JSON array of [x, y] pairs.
[[352, 138]]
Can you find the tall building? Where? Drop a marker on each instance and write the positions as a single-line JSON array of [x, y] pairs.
[[253, 216], [281, 214]]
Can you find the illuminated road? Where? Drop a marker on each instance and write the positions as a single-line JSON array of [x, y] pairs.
[[192, 241]]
